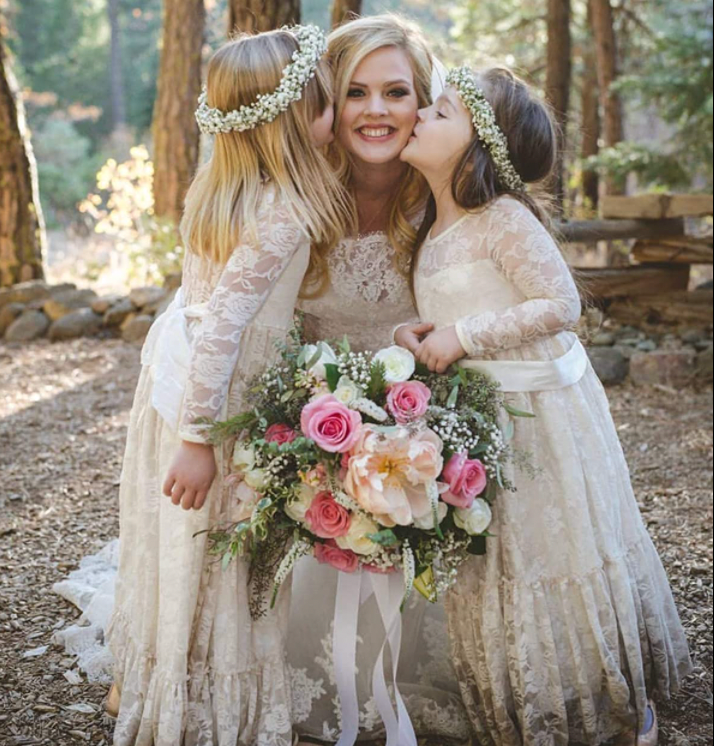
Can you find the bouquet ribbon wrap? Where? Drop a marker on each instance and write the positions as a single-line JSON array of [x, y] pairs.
[[353, 590]]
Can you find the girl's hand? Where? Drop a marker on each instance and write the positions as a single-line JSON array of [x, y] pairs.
[[410, 336], [191, 475], [440, 350]]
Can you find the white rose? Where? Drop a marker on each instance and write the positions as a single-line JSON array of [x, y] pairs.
[[476, 519], [300, 504], [427, 522], [399, 364], [243, 457], [347, 392], [356, 540], [256, 479], [327, 357]]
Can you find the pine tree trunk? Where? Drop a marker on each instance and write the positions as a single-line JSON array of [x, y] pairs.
[[558, 80], [176, 135], [253, 16], [344, 10], [21, 226], [607, 73], [116, 76], [590, 107]]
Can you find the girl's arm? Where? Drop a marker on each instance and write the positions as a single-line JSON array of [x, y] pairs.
[[245, 284], [528, 256]]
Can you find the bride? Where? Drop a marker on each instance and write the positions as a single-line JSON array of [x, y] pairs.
[[384, 74]]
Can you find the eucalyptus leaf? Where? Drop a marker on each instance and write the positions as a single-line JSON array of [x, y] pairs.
[[333, 376], [386, 538], [453, 397], [517, 412]]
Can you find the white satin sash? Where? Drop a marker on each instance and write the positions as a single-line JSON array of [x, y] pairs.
[[167, 353], [353, 590], [522, 376]]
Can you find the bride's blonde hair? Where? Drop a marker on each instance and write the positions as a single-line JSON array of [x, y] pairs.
[[222, 202], [349, 45]]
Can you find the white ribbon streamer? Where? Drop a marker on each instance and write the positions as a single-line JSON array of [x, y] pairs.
[[344, 651]]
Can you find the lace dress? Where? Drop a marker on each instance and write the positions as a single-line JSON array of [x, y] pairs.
[[368, 296], [568, 622], [192, 667]]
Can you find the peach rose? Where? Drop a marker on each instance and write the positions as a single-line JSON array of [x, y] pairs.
[[326, 518], [280, 434], [467, 480], [408, 401], [331, 425], [341, 559]]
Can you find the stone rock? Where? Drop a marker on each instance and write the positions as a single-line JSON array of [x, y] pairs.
[[704, 365], [603, 339], [67, 301], [173, 281], [31, 325], [674, 368], [151, 309], [649, 345], [8, 314], [80, 323], [137, 328], [165, 303], [102, 304], [24, 292], [626, 352], [703, 344], [61, 288], [142, 297], [630, 341], [610, 364], [692, 336], [118, 313]]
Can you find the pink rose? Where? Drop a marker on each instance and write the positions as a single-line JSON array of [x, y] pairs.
[[280, 434], [408, 401], [341, 559], [331, 425], [466, 478], [327, 518]]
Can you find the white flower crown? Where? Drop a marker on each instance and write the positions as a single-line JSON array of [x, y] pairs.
[[312, 46], [484, 118]]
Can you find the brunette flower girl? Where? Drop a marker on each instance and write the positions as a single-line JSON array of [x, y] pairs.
[[567, 625], [192, 666]]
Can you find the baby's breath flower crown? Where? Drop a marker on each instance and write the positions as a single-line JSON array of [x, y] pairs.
[[484, 118], [312, 46]]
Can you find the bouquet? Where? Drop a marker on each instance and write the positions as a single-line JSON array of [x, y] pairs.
[[365, 461]]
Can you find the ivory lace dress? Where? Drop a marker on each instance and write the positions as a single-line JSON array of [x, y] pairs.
[[565, 626], [193, 668], [368, 296]]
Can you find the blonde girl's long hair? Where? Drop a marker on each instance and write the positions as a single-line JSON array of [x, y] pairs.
[[223, 200], [349, 45]]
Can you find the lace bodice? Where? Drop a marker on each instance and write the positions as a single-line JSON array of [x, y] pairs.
[[258, 287], [499, 277], [367, 297]]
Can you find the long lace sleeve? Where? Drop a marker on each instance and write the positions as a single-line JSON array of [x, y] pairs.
[[527, 255], [245, 284]]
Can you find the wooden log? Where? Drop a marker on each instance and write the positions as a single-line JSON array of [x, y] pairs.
[[657, 206], [679, 308], [590, 231], [606, 283], [679, 250]]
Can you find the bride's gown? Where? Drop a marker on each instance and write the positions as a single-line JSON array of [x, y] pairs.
[[367, 297], [567, 624]]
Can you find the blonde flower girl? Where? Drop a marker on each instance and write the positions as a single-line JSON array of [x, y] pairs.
[[567, 625], [192, 666]]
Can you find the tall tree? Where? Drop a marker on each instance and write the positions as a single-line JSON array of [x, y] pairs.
[[116, 77], [253, 16], [176, 135], [590, 112], [21, 224], [558, 80], [343, 10], [607, 73]]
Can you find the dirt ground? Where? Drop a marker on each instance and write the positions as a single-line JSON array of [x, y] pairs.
[[63, 414]]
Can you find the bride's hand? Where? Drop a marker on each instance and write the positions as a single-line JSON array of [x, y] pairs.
[[440, 350], [410, 336], [191, 475]]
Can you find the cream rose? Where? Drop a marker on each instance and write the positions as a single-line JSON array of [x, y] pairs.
[[256, 479], [356, 539], [347, 392], [426, 522], [300, 504], [474, 520], [327, 357], [399, 364], [243, 457]]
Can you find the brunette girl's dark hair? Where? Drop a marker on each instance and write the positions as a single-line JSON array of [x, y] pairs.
[[531, 131]]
